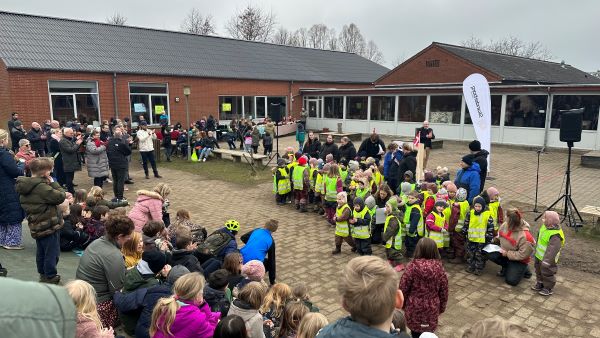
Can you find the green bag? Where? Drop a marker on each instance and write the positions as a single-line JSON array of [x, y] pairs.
[[194, 156]]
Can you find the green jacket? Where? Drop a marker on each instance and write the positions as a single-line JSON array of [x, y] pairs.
[[40, 201], [31, 309]]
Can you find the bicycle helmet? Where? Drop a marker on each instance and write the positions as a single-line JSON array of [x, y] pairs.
[[232, 225]]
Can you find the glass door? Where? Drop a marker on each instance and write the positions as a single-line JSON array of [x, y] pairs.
[[261, 107], [314, 108]]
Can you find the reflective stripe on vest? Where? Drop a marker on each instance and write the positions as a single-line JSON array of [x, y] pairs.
[[341, 228], [464, 210], [362, 192], [362, 231], [437, 236], [493, 206], [331, 188], [543, 239], [420, 225], [282, 186], [298, 177], [478, 226], [395, 241]]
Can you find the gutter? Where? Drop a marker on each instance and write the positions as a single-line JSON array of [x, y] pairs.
[[115, 95]]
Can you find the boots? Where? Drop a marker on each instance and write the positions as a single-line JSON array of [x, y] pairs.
[[155, 175], [303, 208], [337, 250]]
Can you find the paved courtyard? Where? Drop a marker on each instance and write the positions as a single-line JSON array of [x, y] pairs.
[[304, 242]]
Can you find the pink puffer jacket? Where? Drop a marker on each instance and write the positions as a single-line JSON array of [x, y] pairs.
[[147, 207]]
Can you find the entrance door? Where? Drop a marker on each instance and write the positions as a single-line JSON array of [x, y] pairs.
[[314, 108]]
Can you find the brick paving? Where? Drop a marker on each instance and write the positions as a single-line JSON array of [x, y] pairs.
[[304, 242]]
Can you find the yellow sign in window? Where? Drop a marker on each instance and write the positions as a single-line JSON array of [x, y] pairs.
[[159, 110], [226, 107]]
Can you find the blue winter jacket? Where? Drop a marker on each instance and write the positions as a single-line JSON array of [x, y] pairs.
[[258, 245], [346, 327], [470, 180], [387, 161], [10, 207]]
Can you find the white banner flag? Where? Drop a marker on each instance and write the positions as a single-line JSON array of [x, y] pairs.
[[476, 91]]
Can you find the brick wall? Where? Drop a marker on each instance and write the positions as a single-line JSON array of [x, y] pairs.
[[452, 69], [29, 92], [5, 102]]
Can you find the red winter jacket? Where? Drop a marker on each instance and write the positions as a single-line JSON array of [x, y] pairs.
[[425, 288]]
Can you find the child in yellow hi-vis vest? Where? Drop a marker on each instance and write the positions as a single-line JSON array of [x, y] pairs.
[[392, 234], [495, 208], [413, 221], [333, 186], [360, 224], [320, 187], [550, 241], [312, 178], [479, 229], [342, 228], [281, 182], [460, 211], [436, 224]]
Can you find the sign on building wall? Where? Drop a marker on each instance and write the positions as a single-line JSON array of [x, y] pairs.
[[139, 108]]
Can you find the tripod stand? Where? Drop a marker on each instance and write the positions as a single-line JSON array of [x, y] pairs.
[[569, 205], [276, 155]]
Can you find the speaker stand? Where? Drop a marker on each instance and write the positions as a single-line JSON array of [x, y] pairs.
[[569, 206], [276, 154]]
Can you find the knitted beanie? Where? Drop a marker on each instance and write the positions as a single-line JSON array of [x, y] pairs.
[[254, 270], [155, 259]]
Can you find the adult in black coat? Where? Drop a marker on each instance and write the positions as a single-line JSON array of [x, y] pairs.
[[481, 156], [372, 147], [117, 151], [426, 136], [347, 149], [69, 147], [408, 162], [37, 138], [11, 213], [312, 147], [17, 133], [329, 147]]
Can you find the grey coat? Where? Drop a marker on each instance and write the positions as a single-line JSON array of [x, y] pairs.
[[68, 151], [96, 159]]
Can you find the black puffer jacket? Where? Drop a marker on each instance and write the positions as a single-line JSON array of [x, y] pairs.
[[408, 162], [117, 152], [481, 159], [313, 149], [369, 148], [330, 148], [217, 300], [347, 151], [187, 259]]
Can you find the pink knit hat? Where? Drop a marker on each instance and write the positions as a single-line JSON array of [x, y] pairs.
[[254, 270], [551, 218], [492, 192]]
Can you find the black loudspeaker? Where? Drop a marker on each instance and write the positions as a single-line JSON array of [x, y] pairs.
[[275, 112], [571, 125]]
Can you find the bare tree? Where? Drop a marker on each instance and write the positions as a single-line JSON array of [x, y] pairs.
[[196, 23], [116, 19], [300, 38], [282, 37], [251, 23], [318, 36], [351, 40], [372, 52], [332, 40], [511, 45]]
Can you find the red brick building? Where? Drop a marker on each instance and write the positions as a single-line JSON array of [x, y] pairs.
[[52, 68]]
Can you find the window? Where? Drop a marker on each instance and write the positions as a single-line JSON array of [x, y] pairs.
[[248, 105], [334, 107], [589, 103], [74, 100], [445, 109], [150, 100], [230, 107], [496, 108], [432, 63], [412, 108], [356, 107], [382, 108], [526, 111]]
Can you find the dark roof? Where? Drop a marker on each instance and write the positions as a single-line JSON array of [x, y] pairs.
[[37, 42], [521, 69]]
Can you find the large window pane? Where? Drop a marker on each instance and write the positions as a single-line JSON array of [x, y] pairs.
[[248, 105], [139, 107], [73, 86], [87, 108], [356, 107], [496, 109], [63, 108], [526, 111], [160, 106], [382, 108], [260, 108], [230, 107], [589, 103], [412, 108], [445, 109], [334, 107], [148, 88]]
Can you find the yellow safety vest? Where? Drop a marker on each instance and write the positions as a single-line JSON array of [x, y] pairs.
[[362, 192], [298, 177], [361, 231], [478, 226], [420, 225], [343, 176], [447, 213], [543, 239], [493, 207], [377, 177], [319, 183], [312, 177], [464, 210], [282, 186], [331, 188], [437, 236], [341, 228], [394, 241]]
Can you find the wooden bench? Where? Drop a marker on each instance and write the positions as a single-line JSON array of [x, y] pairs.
[[593, 211], [237, 155]]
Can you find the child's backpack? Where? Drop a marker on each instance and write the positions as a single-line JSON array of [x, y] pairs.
[[248, 140], [214, 243]]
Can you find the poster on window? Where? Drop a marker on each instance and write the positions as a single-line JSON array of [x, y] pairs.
[[226, 107], [476, 91], [159, 110], [139, 108]]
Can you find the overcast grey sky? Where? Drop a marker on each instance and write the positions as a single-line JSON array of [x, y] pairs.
[[401, 28]]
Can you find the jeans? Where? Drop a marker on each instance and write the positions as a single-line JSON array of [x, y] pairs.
[[255, 149], [99, 181], [119, 177], [300, 144], [148, 156], [247, 148], [513, 270], [69, 181], [48, 251], [168, 150], [268, 149], [205, 153]]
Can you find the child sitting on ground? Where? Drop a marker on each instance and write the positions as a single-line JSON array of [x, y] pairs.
[[80, 197], [72, 235], [185, 314], [292, 316], [360, 223], [342, 229], [550, 241], [479, 229], [88, 320], [300, 293], [273, 307], [247, 305], [369, 289], [96, 197], [183, 219], [155, 236], [183, 254], [215, 292], [94, 226], [253, 271], [132, 250], [392, 234]]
